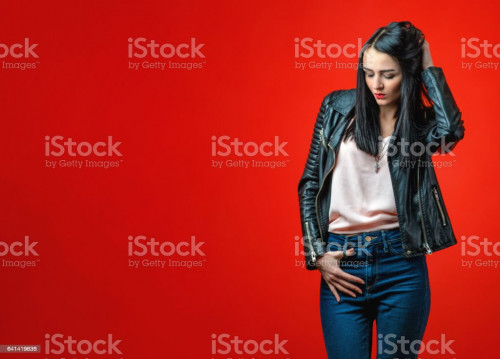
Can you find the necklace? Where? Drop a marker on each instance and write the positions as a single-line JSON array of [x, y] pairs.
[[379, 157]]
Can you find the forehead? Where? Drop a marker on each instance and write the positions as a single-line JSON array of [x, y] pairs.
[[376, 60]]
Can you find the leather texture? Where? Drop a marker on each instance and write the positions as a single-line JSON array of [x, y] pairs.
[[423, 219]]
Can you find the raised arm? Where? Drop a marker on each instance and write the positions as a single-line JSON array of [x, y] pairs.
[[447, 127]]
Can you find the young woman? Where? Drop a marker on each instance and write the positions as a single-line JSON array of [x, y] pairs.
[[370, 204]]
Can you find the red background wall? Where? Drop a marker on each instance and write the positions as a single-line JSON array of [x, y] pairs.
[[165, 187]]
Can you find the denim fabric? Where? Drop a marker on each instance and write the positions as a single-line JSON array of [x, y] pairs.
[[396, 294]]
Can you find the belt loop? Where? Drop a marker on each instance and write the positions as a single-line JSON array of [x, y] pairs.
[[384, 235]]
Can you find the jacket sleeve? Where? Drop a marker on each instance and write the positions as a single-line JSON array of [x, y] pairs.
[[308, 189], [447, 127]]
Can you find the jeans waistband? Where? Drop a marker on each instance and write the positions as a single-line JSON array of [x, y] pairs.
[[365, 239], [387, 232]]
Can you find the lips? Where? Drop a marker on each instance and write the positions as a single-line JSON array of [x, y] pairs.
[[379, 95]]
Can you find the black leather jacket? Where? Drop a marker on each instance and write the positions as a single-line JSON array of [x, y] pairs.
[[423, 219]]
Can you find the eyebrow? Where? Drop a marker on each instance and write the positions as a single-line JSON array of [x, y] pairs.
[[388, 70]]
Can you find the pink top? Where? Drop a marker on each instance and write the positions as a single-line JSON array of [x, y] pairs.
[[362, 200]]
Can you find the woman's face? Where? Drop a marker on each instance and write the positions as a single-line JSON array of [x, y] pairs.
[[383, 77]]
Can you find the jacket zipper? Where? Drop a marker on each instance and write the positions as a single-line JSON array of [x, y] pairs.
[[436, 197], [313, 253], [426, 244], [322, 138], [319, 191]]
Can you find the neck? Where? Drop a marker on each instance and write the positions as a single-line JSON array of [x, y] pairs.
[[387, 114], [387, 120]]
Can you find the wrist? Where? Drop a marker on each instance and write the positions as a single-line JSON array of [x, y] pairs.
[[426, 66], [317, 263]]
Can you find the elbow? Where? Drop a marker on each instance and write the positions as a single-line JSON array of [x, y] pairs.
[[449, 142], [459, 132]]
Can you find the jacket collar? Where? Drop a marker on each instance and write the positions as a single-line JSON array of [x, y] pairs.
[[344, 101]]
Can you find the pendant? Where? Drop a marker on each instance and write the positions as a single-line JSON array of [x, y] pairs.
[[377, 166]]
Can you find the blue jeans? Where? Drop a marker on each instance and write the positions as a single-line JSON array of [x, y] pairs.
[[396, 294]]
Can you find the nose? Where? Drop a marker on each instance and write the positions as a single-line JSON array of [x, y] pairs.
[[377, 84]]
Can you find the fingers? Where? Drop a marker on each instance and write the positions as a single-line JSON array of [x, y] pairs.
[[338, 280], [349, 287], [331, 258], [343, 289], [334, 291], [349, 277], [350, 252], [340, 273], [346, 276], [340, 254], [336, 283], [339, 287]]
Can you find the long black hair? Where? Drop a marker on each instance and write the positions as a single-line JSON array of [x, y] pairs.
[[402, 41]]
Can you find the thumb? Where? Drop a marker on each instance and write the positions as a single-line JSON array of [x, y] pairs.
[[350, 252]]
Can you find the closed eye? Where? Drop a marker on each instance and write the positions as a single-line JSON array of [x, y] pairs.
[[387, 77]]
